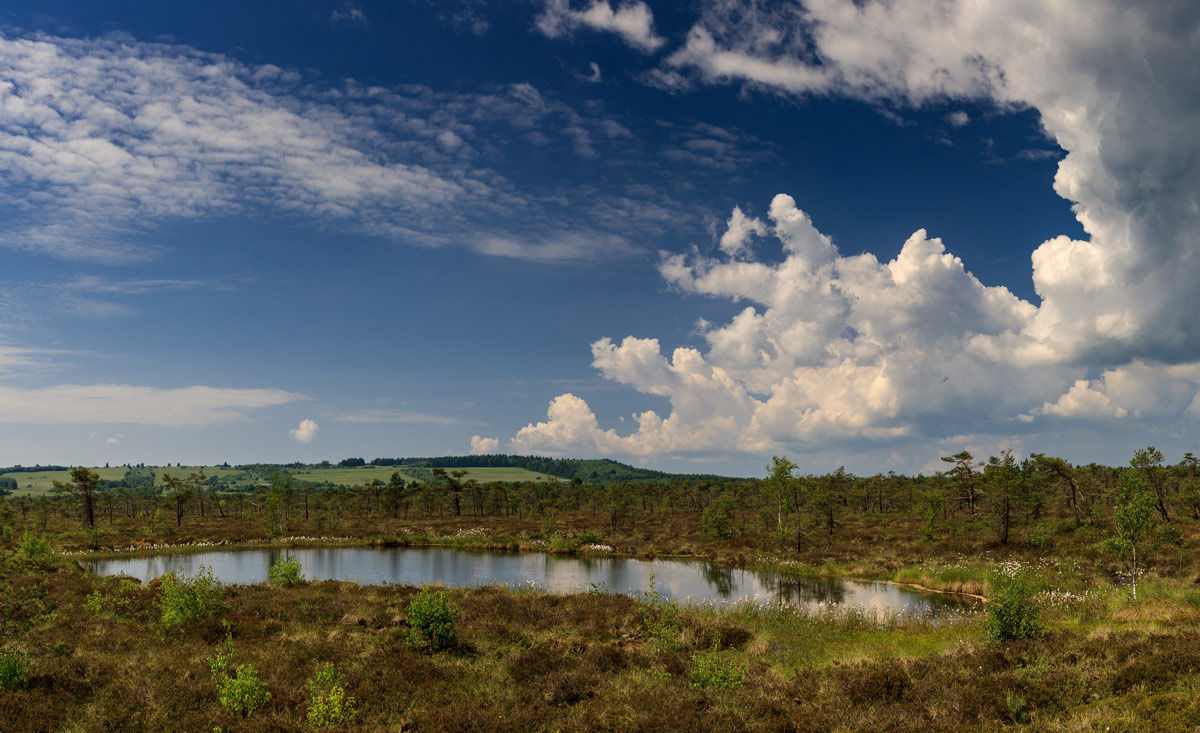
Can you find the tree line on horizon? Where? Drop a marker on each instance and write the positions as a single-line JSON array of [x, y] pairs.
[[1001, 492]]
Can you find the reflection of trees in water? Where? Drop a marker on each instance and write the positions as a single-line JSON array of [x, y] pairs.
[[721, 579], [694, 579], [585, 562], [801, 589]]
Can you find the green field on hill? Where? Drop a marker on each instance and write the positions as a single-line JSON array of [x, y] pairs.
[[35, 483], [365, 474]]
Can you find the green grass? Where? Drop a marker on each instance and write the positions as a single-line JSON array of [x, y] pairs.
[[32, 484]]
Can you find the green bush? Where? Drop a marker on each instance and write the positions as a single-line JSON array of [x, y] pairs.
[[328, 704], [286, 572], [1011, 611], [1017, 708], [34, 547], [14, 670], [432, 621], [239, 690], [184, 599], [717, 520], [590, 537], [244, 692], [659, 616], [121, 603], [220, 664], [95, 602], [716, 669]]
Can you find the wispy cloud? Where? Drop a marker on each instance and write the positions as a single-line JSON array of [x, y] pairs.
[[102, 136], [102, 141], [27, 304], [349, 13], [563, 247], [124, 403], [27, 360], [96, 284], [398, 416]]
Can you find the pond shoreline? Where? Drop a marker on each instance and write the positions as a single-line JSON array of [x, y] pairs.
[[503, 548]]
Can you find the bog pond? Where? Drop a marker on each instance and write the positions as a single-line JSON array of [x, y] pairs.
[[685, 580]]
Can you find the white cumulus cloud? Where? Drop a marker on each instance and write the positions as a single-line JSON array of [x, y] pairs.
[[482, 446], [1113, 84], [847, 348], [738, 231], [831, 347], [632, 21], [305, 432]]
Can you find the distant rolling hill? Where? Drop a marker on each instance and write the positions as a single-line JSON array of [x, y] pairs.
[[589, 470]]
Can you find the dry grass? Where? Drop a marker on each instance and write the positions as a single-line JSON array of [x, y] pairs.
[[582, 662], [597, 662]]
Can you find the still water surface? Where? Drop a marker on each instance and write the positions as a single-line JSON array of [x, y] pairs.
[[686, 580]]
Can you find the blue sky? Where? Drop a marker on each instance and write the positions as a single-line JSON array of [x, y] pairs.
[[853, 233]]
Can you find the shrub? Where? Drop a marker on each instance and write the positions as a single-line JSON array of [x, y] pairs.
[[590, 537], [122, 602], [95, 602], [286, 572], [432, 621], [1011, 611], [659, 616], [34, 547], [717, 520], [184, 599], [240, 692], [244, 692], [714, 669], [220, 664], [328, 704], [1133, 513], [1017, 708], [14, 670]]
